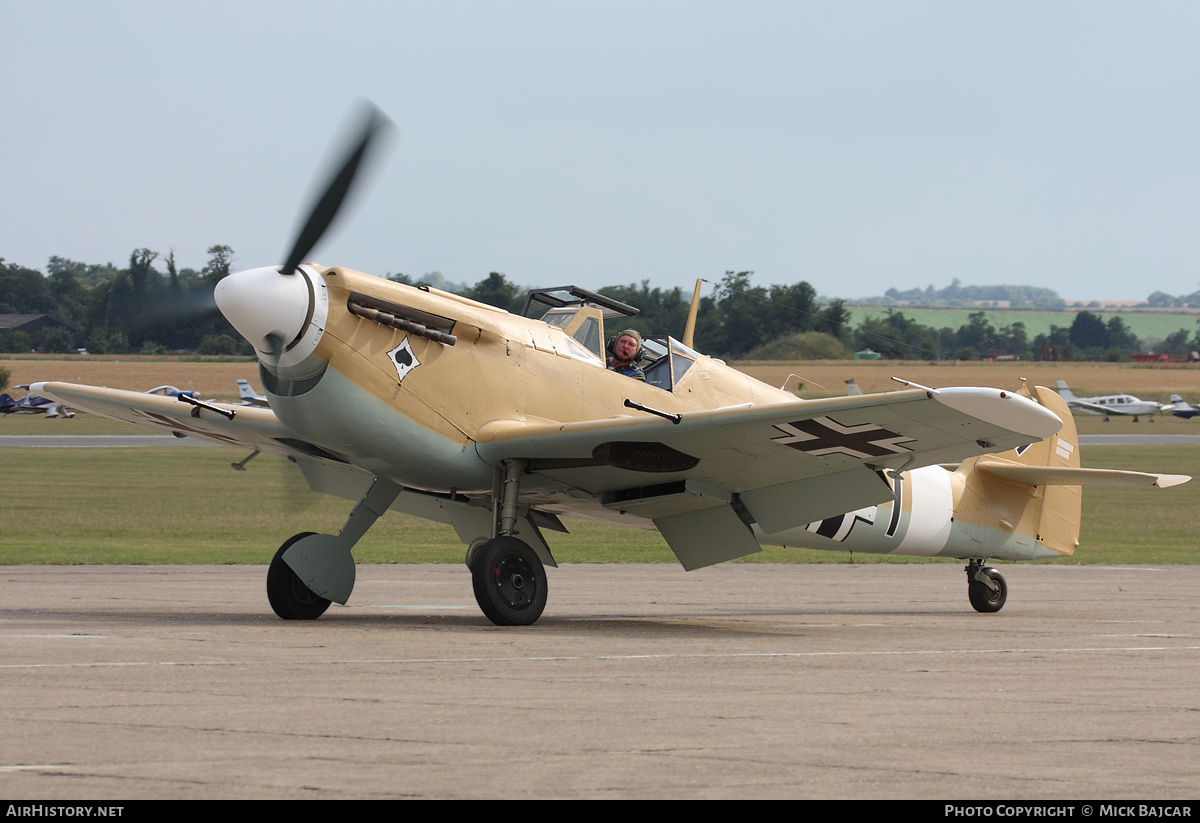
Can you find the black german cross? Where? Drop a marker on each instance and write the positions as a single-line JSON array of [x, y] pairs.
[[823, 436]]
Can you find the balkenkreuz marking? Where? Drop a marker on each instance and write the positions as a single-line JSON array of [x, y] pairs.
[[823, 436]]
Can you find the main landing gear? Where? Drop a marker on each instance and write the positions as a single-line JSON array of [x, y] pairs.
[[986, 587], [290, 598], [509, 581], [506, 573], [319, 568]]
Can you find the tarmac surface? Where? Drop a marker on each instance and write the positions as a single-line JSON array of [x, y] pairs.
[[640, 681]]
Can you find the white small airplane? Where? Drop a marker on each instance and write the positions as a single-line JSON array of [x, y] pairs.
[[1121, 404], [1180, 408], [416, 400], [248, 395], [170, 391]]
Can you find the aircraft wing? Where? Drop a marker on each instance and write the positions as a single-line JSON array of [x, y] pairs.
[[705, 479], [245, 426]]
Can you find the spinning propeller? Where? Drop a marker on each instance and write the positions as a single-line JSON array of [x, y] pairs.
[[326, 208], [276, 313]]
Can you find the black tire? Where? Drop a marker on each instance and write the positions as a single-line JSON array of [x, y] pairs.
[[509, 582], [290, 598], [984, 599]]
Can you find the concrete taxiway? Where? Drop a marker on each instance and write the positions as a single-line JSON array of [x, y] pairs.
[[640, 681]]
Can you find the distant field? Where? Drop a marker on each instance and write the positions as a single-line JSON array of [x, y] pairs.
[[1147, 325], [212, 377]]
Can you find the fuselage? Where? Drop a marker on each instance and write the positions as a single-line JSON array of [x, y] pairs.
[[922, 522], [409, 406]]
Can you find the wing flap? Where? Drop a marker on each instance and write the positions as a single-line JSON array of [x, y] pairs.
[[711, 535], [790, 505]]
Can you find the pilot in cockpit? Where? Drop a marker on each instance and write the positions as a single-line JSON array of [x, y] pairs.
[[626, 350]]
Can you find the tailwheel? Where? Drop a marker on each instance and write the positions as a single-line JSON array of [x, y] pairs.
[[509, 582], [290, 598], [986, 587]]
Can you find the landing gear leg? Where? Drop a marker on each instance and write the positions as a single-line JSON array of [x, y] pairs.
[[986, 587], [507, 575], [321, 563]]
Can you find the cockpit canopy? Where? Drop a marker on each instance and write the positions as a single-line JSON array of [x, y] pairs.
[[581, 314]]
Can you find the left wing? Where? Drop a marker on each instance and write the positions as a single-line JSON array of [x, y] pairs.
[[704, 480]]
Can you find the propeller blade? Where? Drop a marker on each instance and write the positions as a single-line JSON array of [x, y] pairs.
[[275, 341], [327, 207]]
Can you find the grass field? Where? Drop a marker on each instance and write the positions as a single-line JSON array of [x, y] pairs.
[[1149, 325], [185, 505]]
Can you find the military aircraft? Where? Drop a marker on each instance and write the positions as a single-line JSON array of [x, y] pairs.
[[1180, 408], [248, 396], [1121, 404], [416, 400]]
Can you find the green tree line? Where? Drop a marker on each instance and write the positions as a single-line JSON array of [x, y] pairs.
[[152, 306], [111, 310]]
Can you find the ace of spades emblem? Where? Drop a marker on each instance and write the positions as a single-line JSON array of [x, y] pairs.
[[403, 359]]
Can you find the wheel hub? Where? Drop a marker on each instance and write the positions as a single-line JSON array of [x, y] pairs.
[[512, 575]]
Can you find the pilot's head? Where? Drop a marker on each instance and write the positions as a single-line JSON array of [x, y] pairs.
[[627, 346]]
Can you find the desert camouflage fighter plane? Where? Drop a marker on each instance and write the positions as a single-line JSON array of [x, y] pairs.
[[419, 401]]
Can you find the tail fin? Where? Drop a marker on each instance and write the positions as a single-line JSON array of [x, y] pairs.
[[1065, 392], [1034, 495], [1014, 494], [1062, 506]]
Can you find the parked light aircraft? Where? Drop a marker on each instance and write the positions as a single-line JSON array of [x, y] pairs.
[[32, 403], [1122, 404], [249, 396], [416, 400], [1180, 408]]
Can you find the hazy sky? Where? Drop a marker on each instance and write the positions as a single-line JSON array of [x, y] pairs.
[[857, 146]]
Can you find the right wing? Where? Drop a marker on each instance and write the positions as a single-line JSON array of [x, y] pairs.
[[246, 426]]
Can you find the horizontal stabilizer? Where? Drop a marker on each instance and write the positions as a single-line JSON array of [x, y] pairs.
[[1068, 476]]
